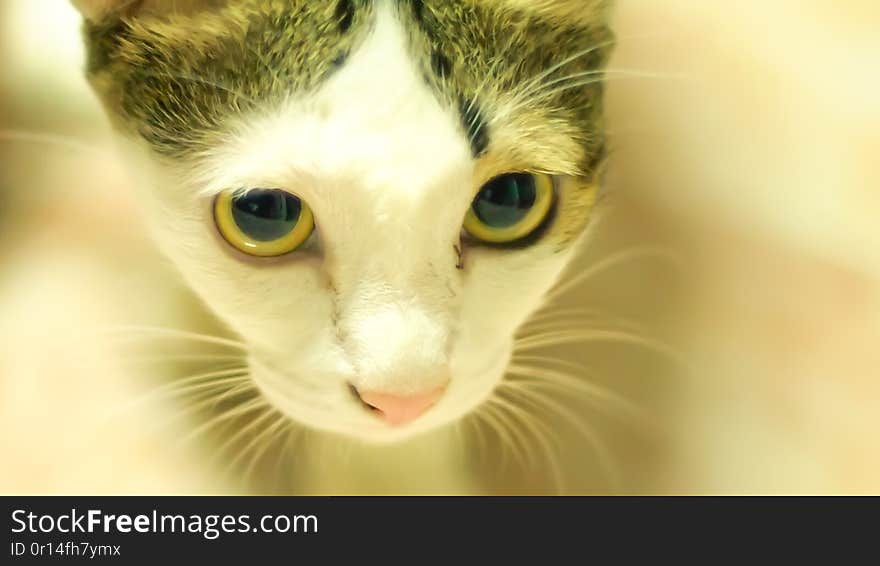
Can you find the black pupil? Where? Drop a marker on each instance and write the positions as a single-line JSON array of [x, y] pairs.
[[266, 215], [505, 201]]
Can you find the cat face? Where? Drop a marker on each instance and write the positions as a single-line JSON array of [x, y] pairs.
[[373, 195]]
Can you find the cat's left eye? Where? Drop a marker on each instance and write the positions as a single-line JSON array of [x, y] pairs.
[[511, 207], [263, 222]]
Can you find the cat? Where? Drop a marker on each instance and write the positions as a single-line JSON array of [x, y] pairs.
[[778, 405], [374, 196]]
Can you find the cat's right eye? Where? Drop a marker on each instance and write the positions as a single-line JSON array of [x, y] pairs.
[[263, 222]]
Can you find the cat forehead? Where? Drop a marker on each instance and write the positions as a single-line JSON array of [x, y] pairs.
[[176, 80], [362, 129]]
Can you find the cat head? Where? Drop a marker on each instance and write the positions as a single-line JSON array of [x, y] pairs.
[[373, 195]]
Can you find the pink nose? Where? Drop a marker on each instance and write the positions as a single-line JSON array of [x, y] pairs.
[[399, 410]]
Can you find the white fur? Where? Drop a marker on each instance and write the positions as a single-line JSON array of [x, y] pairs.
[[377, 301]]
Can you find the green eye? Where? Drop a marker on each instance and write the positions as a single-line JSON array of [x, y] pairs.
[[263, 222], [510, 207]]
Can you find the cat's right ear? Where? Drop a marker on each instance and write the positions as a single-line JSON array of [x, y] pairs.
[[588, 12], [100, 10]]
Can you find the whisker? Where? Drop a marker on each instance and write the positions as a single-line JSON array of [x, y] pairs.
[[266, 437], [550, 310], [476, 419], [186, 386], [605, 459], [204, 399], [528, 459], [604, 398], [601, 76], [267, 412], [579, 336], [244, 388], [496, 426], [238, 410], [293, 435], [538, 324], [168, 358], [458, 429], [284, 443], [185, 391], [528, 419], [605, 77], [613, 260], [537, 80], [552, 313], [572, 321], [518, 443], [630, 73], [52, 139], [170, 333]]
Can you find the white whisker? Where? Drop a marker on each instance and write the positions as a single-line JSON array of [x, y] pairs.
[[476, 419], [171, 333], [220, 453], [601, 397], [528, 460], [186, 386], [238, 410], [293, 434], [606, 461], [172, 358], [496, 426], [530, 422], [536, 82], [52, 139], [611, 261], [580, 336], [267, 412], [519, 449], [267, 437]]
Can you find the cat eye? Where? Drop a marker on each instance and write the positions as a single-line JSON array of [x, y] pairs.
[[263, 222], [510, 207]]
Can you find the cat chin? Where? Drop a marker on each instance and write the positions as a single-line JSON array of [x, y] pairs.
[[334, 410]]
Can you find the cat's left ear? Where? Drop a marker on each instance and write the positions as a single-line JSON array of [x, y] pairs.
[[101, 10]]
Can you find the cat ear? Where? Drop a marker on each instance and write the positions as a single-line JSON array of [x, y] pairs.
[[99, 10]]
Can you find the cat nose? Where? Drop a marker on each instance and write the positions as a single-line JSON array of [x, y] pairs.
[[398, 410]]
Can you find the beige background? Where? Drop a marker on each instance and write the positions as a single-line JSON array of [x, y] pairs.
[[746, 142]]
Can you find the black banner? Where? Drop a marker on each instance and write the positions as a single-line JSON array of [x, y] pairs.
[[131, 530]]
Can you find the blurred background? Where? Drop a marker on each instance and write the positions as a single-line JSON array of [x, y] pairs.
[[740, 241]]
